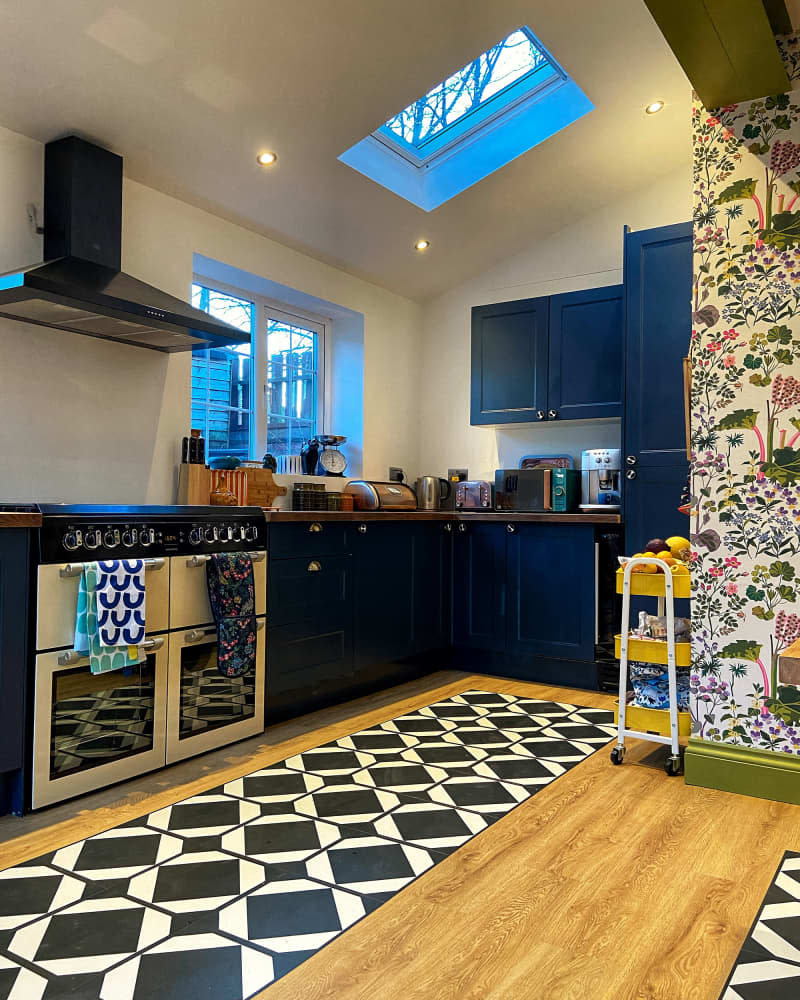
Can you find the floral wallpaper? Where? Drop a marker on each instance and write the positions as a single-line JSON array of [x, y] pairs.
[[745, 403]]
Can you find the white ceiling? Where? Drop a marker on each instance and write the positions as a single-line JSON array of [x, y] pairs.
[[189, 90]]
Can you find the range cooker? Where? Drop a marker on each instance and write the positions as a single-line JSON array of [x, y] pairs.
[[90, 730]]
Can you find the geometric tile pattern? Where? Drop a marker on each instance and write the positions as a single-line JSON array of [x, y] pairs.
[[224, 892], [768, 966]]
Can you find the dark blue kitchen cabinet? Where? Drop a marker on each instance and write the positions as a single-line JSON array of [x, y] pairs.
[[585, 368], [509, 362], [14, 603], [479, 585], [551, 590], [383, 594], [431, 582], [307, 658], [658, 284]]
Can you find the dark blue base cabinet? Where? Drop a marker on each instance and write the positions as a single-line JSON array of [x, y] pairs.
[[524, 601], [364, 606]]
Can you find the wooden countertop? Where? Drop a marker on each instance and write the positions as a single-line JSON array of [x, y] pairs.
[[299, 516], [19, 517]]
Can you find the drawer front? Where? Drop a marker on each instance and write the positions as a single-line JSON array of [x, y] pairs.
[[310, 538], [188, 593], [307, 656], [57, 604], [308, 588]]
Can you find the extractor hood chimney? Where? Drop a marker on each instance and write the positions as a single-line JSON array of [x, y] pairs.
[[80, 287]]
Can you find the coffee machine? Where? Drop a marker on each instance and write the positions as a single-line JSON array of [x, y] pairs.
[[601, 472]]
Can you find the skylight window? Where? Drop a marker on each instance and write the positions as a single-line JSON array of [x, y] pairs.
[[487, 84], [503, 103]]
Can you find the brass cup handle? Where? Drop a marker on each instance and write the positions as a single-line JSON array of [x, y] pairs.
[[314, 566], [315, 527]]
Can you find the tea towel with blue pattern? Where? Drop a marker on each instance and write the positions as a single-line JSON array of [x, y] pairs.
[[231, 592], [87, 639], [120, 601]]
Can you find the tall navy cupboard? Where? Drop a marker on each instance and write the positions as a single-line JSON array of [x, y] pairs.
[[658, 289]]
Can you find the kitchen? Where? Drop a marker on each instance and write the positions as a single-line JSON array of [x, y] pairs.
[[425, 660]]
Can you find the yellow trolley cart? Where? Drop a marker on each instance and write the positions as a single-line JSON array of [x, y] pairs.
[[662, 726]]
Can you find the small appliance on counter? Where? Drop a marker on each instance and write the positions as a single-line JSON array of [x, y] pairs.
[[537, 490], [601, 471], [432, 492], [321, 456], [380, 496], [474, 494]]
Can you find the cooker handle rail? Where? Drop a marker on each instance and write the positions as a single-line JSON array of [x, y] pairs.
[[198, 634], [75, 569], [195, 561], [72, 656]]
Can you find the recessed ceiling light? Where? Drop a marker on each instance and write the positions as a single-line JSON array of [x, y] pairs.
[[422, 244], [654, 107], [266, 159]]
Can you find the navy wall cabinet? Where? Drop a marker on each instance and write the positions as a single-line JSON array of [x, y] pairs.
[[585, 370], [509, 362], [658, 283], [550, 358], [551, 590]]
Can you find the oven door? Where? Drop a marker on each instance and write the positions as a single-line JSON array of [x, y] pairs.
[[206, 710], [188, 595], [57, 601], [91, 730]]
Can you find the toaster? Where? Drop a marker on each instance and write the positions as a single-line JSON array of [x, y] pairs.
[[473, 494], [381, 496]]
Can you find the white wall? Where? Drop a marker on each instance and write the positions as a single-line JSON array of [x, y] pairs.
[[584, 255], [86, 420]]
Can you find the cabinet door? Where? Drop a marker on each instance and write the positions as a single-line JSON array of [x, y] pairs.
[[509, 362], [383, 611], [479, 572], [432, 549], [658, 281], [306, 658], [551, 590], [13, 646], [586, 366]]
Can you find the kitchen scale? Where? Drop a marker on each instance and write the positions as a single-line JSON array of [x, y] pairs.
[[321, 456]]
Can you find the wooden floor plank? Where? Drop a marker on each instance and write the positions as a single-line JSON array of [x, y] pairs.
[[612, 883]]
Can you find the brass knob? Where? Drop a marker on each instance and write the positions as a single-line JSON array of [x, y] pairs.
[[314, 566]]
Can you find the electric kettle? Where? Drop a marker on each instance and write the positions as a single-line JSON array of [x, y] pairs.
[[432, 492]]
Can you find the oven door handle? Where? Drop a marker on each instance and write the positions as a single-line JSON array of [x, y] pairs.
[[195, 561], [198, 634], [75, 569], [72, 657]]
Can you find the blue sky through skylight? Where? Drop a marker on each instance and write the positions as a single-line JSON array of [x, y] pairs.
[[506, 101], [473, 87]]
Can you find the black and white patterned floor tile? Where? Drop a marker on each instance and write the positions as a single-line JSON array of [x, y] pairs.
[[224, 892], [768, 966]]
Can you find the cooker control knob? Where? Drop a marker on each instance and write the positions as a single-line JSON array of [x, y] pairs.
[[146, 536], [250, 533], [195, 536], [129, 536], [111, 538], [71, 541], [237, 533], [226, 534], [92, 538], [210, 534]]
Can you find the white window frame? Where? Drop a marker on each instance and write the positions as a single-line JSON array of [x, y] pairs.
[[266, 308]]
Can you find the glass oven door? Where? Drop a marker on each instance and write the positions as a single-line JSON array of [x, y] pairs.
[[206, 710], [91, 730]]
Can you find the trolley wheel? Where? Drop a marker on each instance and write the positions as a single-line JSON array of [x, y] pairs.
[[673, 766], [617, 755]]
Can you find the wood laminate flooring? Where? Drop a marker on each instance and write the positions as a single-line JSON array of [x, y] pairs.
[[611, 883]]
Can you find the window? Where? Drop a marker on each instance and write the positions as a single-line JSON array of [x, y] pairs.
[[501, 104], [265, 396], [484, 86]]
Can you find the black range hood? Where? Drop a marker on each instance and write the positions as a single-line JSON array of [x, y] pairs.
[[81, 288]]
